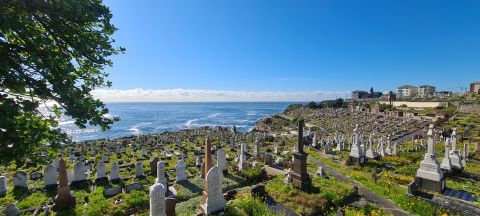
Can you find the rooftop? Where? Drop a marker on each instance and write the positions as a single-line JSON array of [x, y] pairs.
[[406, 86]]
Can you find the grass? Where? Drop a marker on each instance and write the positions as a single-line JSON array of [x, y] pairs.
[[325, 196], [385, 187]]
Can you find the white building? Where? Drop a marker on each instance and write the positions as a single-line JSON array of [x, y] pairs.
[[426, 90], [407, 91]]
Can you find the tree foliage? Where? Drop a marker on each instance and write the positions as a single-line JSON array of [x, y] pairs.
[[51, 50], [337, 103]]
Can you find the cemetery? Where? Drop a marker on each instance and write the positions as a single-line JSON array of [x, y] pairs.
[[345, 162]]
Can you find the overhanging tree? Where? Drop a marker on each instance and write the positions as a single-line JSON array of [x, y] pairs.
[[51, 50]]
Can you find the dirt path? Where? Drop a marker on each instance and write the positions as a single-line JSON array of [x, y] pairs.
[[380, 202]]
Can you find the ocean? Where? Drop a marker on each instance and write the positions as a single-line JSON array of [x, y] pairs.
[[149, 118]]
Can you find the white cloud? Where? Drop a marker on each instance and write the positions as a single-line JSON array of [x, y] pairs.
[[197, 95]]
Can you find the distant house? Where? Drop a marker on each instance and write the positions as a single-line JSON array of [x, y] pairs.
[[475, 87], [359, 95], [426, 90], [407, 91]]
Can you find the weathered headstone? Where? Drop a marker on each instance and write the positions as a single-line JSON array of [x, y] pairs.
[[134, 186], [180, 169], [153, 167], [161, 178], [242, 159], [222, 160], [112, 191], [115, 172], [3, 186], [50, 177], [11, 210], [20, 179], [79, 172], [212, 197], [100, 176], [139, 169], [157, 200]]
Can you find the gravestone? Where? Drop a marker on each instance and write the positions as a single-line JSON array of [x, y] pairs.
[[242, 159], [161, 178], [3, 186], [112, 191], [455, 157], [115, 173], [64, 198], [180, 169], [212, 196], [20, 179], [430, 175], [11, 210], [153, 167], [355, 157], [157, 200], [79, 172], [139, 169], [170, 203], [299, 177], [268, 160], [222, 160], [134, 186], [100, 176], [446, 162], [35, 176], [50, 177], [321, 172]]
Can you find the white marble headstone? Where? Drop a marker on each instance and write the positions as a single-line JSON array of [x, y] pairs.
[[50, 175], [180, 168], [157, 200]]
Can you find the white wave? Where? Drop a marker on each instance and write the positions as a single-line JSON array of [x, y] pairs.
[[213, 115], [135, 130], [251, 113], [190, 123]]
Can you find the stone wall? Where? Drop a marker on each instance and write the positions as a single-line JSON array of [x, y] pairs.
[[415, 104], [469, 108]]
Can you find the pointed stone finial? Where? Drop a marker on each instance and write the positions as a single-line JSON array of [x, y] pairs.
[[208, 155], [300, 136]]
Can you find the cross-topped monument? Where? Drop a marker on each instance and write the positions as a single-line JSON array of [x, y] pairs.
[[299, 177]]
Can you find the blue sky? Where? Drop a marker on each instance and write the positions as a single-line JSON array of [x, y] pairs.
[[272, 46]]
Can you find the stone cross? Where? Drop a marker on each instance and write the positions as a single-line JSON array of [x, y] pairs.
[[157, 200], [161, 178]]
